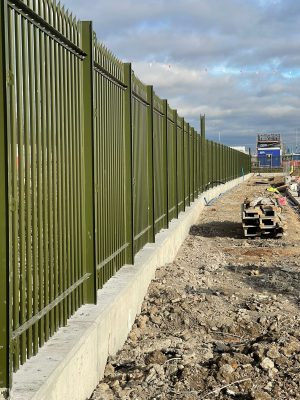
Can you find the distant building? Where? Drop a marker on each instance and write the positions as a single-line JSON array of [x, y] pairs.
[[269, 150], [242, 149]]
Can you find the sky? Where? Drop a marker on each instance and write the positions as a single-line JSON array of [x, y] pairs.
[[236, 61]]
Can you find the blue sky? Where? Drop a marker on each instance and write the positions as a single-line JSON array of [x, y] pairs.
[[237, 61]]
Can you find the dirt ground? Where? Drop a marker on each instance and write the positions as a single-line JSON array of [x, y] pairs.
[[221, 321]]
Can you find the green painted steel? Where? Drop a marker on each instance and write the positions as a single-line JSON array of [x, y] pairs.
[[160, 164], [191, 163], [180, 164], [5, 232], [109, 160], [128, 168], [89, 247], [199, 168], [196, 171], [45, 173], [203, 152], [187, 164], [172, 163], [141, 178], [151, 219], [93, 165]]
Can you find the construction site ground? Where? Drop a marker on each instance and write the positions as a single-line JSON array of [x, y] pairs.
[[221, 321]]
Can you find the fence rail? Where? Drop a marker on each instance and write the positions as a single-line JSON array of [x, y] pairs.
[[93, 165]]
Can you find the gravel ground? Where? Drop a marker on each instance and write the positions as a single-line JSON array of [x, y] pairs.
[[220, 322]]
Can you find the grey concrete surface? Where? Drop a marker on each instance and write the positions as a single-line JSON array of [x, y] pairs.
[[72, 362]]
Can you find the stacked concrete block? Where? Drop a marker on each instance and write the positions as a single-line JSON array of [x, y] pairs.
[[261, 217]]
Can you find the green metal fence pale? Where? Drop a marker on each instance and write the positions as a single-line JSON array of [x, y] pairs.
[[183, 164], [5, 277], [195, 165], [110, 161], [166, 169], [89, 263], [141, 191], [180, 164], [186, 165], [204, 153], [175, 161], [151, 223], [159, 164], [128, 164], [191, 162], [172, 163]]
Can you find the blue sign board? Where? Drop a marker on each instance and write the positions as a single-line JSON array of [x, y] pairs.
[[270, 158]]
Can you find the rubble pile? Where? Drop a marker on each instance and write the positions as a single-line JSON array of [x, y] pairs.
[[262, 217]]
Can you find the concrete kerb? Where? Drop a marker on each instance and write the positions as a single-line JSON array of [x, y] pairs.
[[72, 362]]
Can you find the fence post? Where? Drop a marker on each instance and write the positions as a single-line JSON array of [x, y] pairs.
[[223, 164], [192, 168], [213, 165], [183, 166], [90, 288], [199, 164], [165, 169], [195, 164], [128, 164], [5, 296], [151, 235], [176, 163], [226, 163], [188, 164], [218, 163], [230, 164], [249, 161], [203, 155]]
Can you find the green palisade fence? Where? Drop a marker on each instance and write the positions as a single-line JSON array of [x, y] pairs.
[[93, 165], [186, 164], [141, 162], [160, 164], [109, 159], [191, 162], [172, 163], [180, 164]]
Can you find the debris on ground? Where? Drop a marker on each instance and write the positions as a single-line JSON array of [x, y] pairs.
[[221, 321], [293, 186]]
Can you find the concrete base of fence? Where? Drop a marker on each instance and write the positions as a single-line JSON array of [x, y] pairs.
[[72, 362]]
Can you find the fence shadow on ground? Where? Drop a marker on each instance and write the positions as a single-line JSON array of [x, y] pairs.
[[218, 229]]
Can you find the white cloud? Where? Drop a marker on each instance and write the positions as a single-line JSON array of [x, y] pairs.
[[236, 60]]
